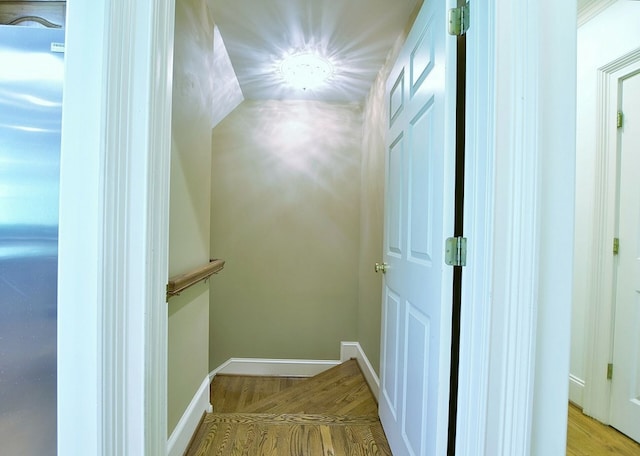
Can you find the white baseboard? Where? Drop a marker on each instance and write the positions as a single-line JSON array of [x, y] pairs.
[[300, 367], [186, 427], [273, 367], [576, 390], [350, 350]]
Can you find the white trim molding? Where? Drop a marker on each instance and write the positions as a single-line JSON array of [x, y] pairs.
[[576, 389], [353, 350], [301, 367], [135, 222], [273, 367], [588, 9], [114, 228], [478, 209], [188, 424], [514, 360], [515, 232], [599, 333]]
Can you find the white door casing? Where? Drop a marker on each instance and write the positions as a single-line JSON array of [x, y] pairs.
[[600, 314], [417, 288], [520, 163], [625, 384], [113, 239]]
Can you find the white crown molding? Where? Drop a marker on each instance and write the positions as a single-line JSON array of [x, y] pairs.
[[588, 9]]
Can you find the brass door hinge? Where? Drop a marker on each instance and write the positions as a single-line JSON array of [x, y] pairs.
[[459, 20], [609, 371], [455, 252], [616, 246], [620, 119]]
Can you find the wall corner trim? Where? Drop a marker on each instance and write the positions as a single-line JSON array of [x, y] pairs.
[[350, 350], [186, 427]]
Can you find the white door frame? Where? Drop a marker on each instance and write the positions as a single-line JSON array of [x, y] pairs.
[[600, 310], [114, 236], [519, 200], [113, 240]]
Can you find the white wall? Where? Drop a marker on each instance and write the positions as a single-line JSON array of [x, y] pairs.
[[611, 34]]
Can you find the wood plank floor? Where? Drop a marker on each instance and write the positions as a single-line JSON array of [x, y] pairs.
[[588, 437], [333, 413]]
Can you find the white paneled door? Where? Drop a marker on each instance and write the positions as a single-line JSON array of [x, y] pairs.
[[416, 327], [625, 383]]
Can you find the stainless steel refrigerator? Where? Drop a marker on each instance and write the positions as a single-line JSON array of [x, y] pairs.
[[31, 71]]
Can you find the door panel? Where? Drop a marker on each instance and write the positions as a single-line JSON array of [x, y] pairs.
[[416, 329], [396, 98], [422, 58], [420, 198], [625, 384], [394, 197], [391, 344], [415, 377]]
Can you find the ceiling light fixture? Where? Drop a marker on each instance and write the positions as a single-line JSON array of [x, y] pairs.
[[306, 70]]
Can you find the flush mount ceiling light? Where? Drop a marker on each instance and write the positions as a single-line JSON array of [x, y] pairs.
[[306, 70]]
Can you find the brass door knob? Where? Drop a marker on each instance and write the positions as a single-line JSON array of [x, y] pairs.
[[381, 267]]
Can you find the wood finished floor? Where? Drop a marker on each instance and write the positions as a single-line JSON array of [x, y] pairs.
[[334, 413], [588, 437], [331, 414]]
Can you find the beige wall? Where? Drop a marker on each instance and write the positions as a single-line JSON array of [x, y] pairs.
[[295, 183], [199, 77], [285, 217]]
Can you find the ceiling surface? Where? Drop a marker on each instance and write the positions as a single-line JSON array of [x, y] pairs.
[[354, 35]]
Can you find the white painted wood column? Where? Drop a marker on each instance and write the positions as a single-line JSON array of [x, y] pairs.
[[519, 214], [114, 186]]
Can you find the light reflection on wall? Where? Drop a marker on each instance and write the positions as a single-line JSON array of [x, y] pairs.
[[285, 216]]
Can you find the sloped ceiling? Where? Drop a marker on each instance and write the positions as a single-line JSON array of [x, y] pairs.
[[355, 35]]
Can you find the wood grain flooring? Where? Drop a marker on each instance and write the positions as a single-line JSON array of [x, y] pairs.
[[588, 437], [333, 413]]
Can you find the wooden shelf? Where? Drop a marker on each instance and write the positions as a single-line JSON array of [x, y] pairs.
[[179, 283]]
